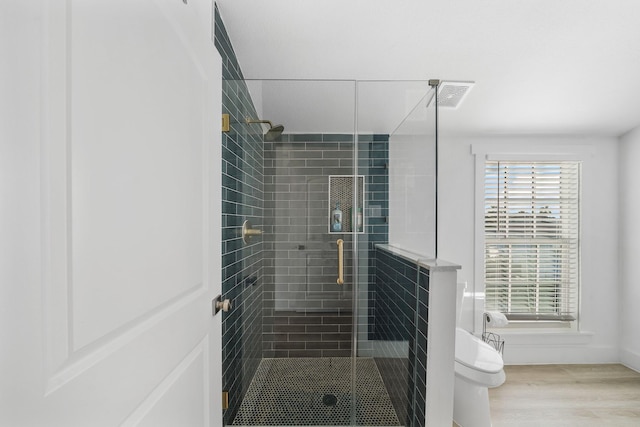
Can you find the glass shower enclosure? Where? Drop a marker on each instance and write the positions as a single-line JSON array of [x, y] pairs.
[[316, 176]]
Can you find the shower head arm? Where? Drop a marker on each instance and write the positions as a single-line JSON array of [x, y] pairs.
[[251, 121], [272, 133]]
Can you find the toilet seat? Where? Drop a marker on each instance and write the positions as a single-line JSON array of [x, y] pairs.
[[474, 353], [477, 361]]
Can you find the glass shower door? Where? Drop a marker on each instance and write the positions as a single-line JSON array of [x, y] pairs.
[[293, 307]]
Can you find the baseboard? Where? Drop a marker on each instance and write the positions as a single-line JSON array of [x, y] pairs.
[[558, 354], [630, 359]]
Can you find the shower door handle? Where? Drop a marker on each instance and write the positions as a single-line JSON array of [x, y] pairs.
[[340, 280]]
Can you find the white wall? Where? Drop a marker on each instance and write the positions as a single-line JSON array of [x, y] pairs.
[[597, 338], [629, 237]]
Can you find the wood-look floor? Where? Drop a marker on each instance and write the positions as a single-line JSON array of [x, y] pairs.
[[567, 395]]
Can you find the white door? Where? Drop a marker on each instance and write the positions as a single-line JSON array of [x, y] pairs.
[[117, 328]]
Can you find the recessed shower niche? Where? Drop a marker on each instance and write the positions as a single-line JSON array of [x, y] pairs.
[[344, 217]]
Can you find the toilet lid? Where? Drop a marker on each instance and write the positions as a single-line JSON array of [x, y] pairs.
[[476, 354]]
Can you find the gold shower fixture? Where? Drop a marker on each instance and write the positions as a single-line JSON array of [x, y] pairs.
[[273, 132]]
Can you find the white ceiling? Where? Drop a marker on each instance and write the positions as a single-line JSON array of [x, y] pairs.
[[540, 66]]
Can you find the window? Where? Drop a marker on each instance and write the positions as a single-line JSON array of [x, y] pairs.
[[532, 239]]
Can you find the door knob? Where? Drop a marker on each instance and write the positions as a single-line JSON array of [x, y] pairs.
[[224, 305], [220, 304]]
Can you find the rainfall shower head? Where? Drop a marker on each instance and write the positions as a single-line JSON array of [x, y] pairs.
[[273, 132]]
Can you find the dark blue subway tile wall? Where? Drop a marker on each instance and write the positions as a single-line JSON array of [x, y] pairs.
[[395, 297], [373, 161], [421, 348], [394, 322], [242, 199], [300, 262], [401, 316], [230, 66]]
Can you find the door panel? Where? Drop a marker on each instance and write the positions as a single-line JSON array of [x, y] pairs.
[[130, 218], [136, 176]]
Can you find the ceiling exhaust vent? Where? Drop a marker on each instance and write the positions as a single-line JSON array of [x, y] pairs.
[[451, 94]]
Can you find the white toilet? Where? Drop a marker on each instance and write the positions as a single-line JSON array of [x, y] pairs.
[[478, 366]]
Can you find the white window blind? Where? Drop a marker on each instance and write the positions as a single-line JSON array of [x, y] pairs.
[[532, 239]]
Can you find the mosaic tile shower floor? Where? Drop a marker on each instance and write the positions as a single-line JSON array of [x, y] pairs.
[[315, 391]]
